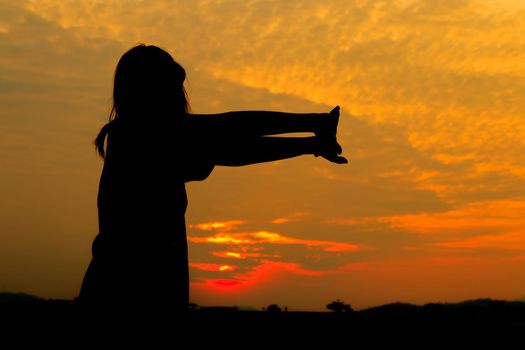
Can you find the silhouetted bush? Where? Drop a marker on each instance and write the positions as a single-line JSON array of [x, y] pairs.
[[273, 308]]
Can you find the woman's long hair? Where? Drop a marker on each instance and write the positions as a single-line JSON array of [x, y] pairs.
[[148, 84]]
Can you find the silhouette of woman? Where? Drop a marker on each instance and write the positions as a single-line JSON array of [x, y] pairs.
[[154, 146]]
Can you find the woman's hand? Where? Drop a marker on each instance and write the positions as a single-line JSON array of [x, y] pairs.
[[329, 123], [327, 145], [328, 148]]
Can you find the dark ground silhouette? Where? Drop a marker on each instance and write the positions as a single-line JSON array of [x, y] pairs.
[[470, 322]]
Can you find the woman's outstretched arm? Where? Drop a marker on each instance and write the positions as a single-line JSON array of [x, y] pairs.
[[267, 149], [260, 123]]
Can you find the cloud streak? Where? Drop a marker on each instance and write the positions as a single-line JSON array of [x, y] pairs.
[[265, 237], [475, 217], [215, 225]]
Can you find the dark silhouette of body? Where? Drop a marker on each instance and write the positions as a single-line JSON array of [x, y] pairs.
[[154, 146]]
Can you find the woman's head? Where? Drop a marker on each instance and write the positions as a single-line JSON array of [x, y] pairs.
[[148, 81], [148, 87]]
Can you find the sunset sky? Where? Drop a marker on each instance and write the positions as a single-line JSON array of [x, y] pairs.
[[430, 208]]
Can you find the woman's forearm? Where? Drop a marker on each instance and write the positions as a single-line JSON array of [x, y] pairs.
[[264, 149], [259, 123]]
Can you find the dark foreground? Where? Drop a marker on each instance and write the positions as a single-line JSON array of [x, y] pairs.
[[498, 323]]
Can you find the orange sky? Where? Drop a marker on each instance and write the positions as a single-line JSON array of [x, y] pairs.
[[431, 206]]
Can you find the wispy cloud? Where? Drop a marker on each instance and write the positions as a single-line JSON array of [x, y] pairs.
[[229, 255], [507, 240], [487, 216], [265, 237], [293, 217], [475, 226], [217, 225], [213, 267]]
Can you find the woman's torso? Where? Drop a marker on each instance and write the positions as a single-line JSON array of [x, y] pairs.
[[142, 196]]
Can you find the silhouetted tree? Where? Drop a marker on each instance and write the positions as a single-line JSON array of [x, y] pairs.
[[273, 308], [339, 306]]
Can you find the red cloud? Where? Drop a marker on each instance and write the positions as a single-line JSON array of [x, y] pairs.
[[261, 274]]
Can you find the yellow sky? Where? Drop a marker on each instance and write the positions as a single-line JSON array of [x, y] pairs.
[[430, 207]]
